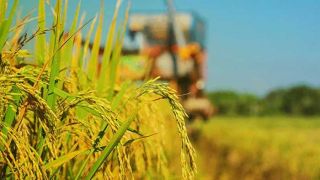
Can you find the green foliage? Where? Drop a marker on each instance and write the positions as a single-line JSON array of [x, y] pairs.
[[231, 103], [5, 23], [273, 102], [40, 40], [297, 100], [302, 100]]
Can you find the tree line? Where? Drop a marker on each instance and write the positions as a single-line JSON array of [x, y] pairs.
[[297, 100]]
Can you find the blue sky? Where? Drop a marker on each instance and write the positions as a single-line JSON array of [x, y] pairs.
[[253, 45]]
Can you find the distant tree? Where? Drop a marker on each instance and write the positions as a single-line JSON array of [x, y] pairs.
[[297, 100], [248, 104], [225, 102], [232, 103], [273, 102], [302, 100]]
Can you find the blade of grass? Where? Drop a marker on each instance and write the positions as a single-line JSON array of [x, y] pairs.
[[10, 113], [68, 49], [137, 139], [110, 147], [83, 59], [59, 48], [93, 61], [95, 145], [62, 93], [76, 58], [63, 159], [113, 67], [41, 39], [51, 97], [64, 15], [116, 101], [56, 59], [3, 9], [107, 50], [5, 26]]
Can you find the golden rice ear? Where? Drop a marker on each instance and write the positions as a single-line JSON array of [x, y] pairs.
[[189, 168]]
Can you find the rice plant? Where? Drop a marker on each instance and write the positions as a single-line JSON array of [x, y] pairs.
[[61, 118]]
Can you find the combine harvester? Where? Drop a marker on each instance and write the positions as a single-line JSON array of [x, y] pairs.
[[171, 46]]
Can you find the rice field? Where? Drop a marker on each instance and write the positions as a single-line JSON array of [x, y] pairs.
[[65, 113], [259, 148], [63, 118]]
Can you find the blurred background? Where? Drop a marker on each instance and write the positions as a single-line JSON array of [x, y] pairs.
[[247, 72]]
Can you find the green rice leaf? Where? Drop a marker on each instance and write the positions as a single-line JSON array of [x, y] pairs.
[[116, 101], [110, 147], [83, 58], [93, 61], [136, 139], [107, 50], [63, 159], [68, 49], [11, 111], [3, 9], [113, 67], [55, 65], [41, 39], [5, 26], [62, 93]]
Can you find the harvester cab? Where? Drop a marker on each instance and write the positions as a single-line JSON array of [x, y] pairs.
[[171, 46]]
